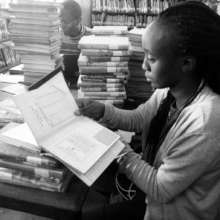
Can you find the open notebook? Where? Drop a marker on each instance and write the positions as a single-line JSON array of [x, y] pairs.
[[83, 145]]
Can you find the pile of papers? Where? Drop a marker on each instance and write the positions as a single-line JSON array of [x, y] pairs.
[[34, 29], [103, 64], [137, 87]]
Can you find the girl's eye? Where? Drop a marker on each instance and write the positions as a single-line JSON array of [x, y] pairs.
[[150, 59]]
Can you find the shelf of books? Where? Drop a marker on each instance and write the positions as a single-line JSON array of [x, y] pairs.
[[35, 30], [114, 12], [8, 57], [127, 12]]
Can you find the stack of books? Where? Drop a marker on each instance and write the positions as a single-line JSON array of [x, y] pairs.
[[35, 31], [23, 163], [137, 87], [8, 57], [103, 65]]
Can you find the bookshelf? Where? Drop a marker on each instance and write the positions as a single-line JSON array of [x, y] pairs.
[[113, 12], [8, 57], [127, 12]]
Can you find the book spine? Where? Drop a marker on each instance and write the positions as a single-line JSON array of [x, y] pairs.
[[97, 97], [37, 171], [100, 85], [107, 59], [100, 89], [31, 160], [85, 69], [102, 64], [19, 178], [107, 53], [100, 79], [103, 46], [104, 94]]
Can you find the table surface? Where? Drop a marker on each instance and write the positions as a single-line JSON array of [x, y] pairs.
[[54, 205]]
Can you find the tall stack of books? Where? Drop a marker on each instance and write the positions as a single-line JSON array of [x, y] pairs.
[[35, 30], [103, 64], [137, 87], [23, 163], [8, 57]]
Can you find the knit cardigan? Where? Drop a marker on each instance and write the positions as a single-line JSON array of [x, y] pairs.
[[184, 181]]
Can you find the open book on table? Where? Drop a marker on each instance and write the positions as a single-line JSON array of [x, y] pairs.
[[83, 145]]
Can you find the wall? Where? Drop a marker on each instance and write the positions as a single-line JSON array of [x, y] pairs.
[[86, 11]]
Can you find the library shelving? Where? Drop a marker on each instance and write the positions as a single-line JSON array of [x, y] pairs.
[[127, 12], [8, 57]]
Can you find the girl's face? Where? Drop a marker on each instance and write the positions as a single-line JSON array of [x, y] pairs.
[[163, 68], [70, 25]]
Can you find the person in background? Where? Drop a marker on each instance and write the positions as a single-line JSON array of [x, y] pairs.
[[179, 167], [72, 31]]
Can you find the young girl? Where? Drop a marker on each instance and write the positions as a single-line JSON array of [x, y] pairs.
[[179, 170], [72, 31]]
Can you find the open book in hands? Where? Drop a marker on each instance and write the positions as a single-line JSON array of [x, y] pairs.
[[83, 145]]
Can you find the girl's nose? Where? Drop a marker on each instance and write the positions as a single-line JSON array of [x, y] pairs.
[[146, 65]]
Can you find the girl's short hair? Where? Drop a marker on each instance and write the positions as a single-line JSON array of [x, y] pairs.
[[73, 7], [197, 33]]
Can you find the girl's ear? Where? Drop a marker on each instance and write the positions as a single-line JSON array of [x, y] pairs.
[[188, 64]]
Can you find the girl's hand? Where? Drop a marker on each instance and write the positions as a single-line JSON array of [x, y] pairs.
[[90, 108]]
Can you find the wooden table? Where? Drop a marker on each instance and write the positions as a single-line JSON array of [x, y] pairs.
[[54, 205]]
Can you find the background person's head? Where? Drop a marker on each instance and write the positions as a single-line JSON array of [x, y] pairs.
[[70, 15], [189, 34]]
